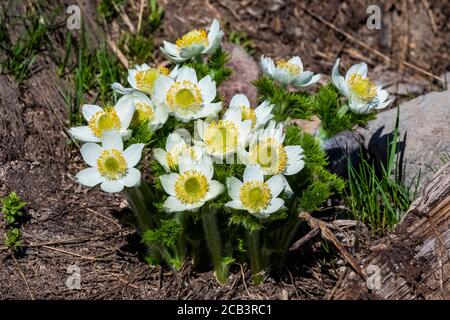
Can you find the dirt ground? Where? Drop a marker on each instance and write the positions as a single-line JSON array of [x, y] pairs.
[[68, 225]]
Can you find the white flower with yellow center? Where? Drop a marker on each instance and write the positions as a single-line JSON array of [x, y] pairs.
[[176, 147], [259, 116], [194, 43], [266, 149], [255, 195], [363, 95], [289, 72], [101, 120], [185, 97], [226, 136], [143, 77], [192, 187], [111, 166], [145, 111]]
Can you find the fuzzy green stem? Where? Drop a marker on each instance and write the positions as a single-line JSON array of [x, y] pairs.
[[213, 241], [137, 202], [256, 263], [342, 110]]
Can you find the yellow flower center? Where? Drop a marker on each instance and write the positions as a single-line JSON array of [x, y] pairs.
[[191, 187], [291, 68], [184, 96], [255, 195], [143, 113], [145, 79], [173, 155], [364, 88], [270, 155], [163, 70], [248, 114], [104, 120], [221, 137], [197, 36], [112, 164]]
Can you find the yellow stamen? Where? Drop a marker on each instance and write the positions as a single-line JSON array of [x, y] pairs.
[[145, 79], [248, 114], [197, 36], [364, 88], [143, 113], [221, 137], [293, 69], [112, 164], [255, 195], [164, 71], [270, 155], [184, 96], [104, 120], [191, 187], [173, 155]]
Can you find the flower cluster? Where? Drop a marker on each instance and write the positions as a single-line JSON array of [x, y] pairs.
[[243, 159]]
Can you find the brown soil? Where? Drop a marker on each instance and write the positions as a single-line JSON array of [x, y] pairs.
[[70, 225]]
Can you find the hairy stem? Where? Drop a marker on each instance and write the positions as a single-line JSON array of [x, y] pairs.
[[256, 263]]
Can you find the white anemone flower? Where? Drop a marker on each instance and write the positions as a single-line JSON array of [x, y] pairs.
[[186, 97], [145, 110], [266, 149], [101, 120], [253, 194], [289, 72], [194, 43], [110, 165], [176, 147], [190, 188], [363, 95], [259, 116], [226, 136]]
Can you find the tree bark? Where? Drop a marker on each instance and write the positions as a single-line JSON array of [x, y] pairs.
[[413, 261]]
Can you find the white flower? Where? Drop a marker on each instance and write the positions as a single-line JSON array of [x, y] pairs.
[[145, 110], [227, 136], [194, 43], [255, 195], [267, 150], [363, 95], [110, 164], [258, 116], [289, 72], [175, 148], [185, 97], [192, 187], [100, 120]]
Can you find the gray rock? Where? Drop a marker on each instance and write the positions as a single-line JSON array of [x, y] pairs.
[[245, 70], [424, 135]]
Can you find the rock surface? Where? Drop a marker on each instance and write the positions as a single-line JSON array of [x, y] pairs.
[[245, 70], [424, 134]]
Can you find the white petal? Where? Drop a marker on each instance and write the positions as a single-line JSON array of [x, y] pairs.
[[213, 30], [253, 172], [208, 88], [170, 48], [89, 177], [234, 188], [296, 61], [89, 110], [303, 78], [132, 178], [210, 110], [132, 78], [133, 154], [276, 185], [215, 188], [239, 100], [174, 140], [162, 85], [205, 166], [295, 160], [186, 73], [112, 140], [125, 109], [168, 182], [112, 186], [233, 114], [83, 133], [160, 156], [161, 114], [90, 153], [172, 204], [338, 80], [274, 205], [234, 205], [360, 68]]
